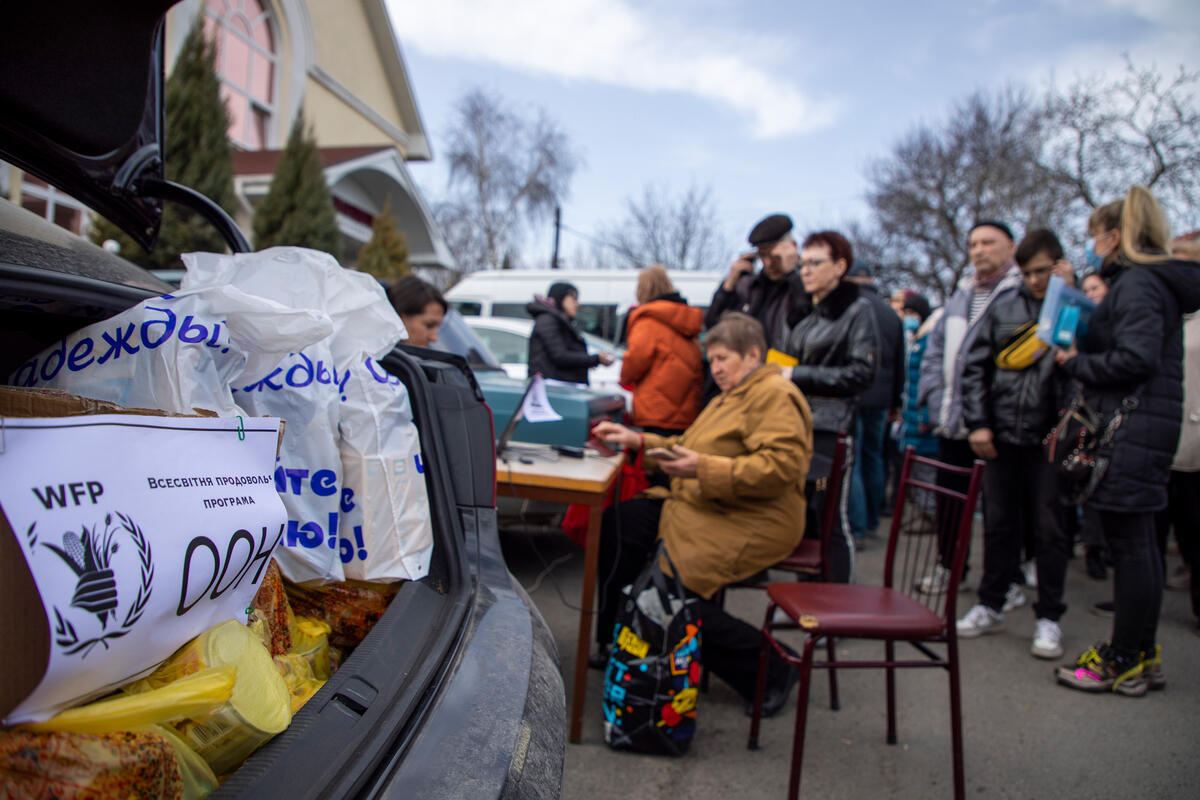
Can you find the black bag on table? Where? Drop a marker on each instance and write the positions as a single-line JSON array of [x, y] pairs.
[[650, 685]]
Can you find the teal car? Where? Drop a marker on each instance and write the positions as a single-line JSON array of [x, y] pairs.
[[579, 407]]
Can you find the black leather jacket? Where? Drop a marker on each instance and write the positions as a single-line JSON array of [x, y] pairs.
[[838, 349], [555, 348], [1019, 406], [775, 304]]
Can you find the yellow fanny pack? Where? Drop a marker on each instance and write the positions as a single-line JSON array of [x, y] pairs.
[[1022, 350]]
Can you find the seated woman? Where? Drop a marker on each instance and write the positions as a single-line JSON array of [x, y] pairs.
[[735, 504]]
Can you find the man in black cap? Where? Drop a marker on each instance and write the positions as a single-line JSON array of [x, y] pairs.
[[774, 296], [876, 405]]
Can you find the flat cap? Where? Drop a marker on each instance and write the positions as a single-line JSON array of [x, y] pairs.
[[770, 229], [994, 223], [859, 269]]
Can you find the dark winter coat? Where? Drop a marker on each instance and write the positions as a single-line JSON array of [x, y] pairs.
[[1019, 406], [885, 391], [838, 350], [1135, 342], [556, 349], [775, 304]]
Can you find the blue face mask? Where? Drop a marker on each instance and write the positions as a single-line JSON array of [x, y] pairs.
[[911, 324], [1094, 260]]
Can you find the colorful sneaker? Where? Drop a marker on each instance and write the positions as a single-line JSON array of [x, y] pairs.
[[1013, 598], [1152, 669], [978, 621], [1098, 671], [1047, 639]]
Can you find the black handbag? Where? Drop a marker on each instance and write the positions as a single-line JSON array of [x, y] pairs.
[[1080, 445], [650, 685]]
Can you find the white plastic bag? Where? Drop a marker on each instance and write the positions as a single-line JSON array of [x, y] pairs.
[[178, 352], [309, 387], [386, 531]]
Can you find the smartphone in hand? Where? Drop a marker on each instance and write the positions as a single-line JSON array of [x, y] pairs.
[[662, 454]]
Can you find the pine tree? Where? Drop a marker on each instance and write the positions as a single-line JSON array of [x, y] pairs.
[[298, 209], [197, 155], [386, 255]]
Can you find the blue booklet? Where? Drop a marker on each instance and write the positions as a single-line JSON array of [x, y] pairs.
[[1065, 314]]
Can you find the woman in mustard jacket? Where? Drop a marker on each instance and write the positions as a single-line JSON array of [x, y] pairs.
[[735, 504]]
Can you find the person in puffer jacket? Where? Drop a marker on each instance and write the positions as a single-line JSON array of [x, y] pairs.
[[1131, 359], [556, 348], [662, 362], [1011, 393], [838, 350]]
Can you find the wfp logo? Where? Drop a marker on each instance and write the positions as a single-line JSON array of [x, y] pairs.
[[104, 559]]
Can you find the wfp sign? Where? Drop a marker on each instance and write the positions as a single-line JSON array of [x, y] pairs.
[[139, 533]]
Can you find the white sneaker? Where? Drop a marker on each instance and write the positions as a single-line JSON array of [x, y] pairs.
[[935, 582], [979, 620], [1013, 598], [1047, 640], [1029, 569]]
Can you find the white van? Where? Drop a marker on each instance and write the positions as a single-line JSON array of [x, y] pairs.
[[605, 296]]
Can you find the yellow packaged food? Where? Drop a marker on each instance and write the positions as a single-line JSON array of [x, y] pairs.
[[298, 675], [198, 778], [193, 696], [310, 640], [259, 707]]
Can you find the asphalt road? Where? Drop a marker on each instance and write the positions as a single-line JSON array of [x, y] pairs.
[[1024, 736]]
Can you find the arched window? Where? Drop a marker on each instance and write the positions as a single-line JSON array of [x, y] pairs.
[[247, 64]]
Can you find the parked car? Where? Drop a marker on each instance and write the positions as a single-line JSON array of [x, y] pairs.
[[508, 339], [581, 408], [456, 690], [605, 296]]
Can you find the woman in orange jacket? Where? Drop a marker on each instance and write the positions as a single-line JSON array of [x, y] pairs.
[[663, 362]]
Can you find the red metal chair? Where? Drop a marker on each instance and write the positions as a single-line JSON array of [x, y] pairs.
[[890, 613], [811, 556]]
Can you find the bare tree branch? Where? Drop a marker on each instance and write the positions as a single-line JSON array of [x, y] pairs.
[[679, 233], [506, 174]]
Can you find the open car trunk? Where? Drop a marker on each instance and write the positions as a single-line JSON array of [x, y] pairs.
[[456, 690]]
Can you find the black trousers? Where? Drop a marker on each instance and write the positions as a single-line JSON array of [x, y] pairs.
[[957, 453], [1022, 491], [1137, 582], [841, 541], [1183, 514], [729, 646]]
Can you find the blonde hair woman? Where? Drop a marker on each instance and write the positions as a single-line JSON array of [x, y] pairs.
[[1131, 362]]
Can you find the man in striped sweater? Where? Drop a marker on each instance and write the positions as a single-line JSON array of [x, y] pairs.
[[991, 246]]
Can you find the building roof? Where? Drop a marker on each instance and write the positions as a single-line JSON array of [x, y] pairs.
[[264, 162]]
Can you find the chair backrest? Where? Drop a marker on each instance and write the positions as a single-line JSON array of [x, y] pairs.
[[832, 500], [931, 525]]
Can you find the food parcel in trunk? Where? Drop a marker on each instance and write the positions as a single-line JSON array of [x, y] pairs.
[[136, 545]]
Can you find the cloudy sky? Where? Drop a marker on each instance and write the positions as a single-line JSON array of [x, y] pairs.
[[777, 105]]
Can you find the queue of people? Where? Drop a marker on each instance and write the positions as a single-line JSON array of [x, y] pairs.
[[740, 457]]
